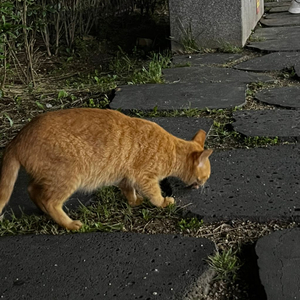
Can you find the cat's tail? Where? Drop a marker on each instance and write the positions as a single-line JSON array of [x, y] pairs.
[[8, 177]]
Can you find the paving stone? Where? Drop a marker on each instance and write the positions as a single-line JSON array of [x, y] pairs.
[[259, 184], [283, 96], [101, 266], [20, 201], [277, 4], [279, 264], [284, 124], [297, 70], [281, 19], [277, 39], [184, 128], [206, 59], [271, 62], [179, 96], [211, 75], [279, 8]]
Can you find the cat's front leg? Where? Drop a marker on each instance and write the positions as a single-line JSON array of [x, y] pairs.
[[150, 188]]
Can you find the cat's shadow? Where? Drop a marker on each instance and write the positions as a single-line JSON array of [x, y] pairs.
[[21, 203]]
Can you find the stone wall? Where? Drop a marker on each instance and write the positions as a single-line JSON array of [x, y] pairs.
[[213, 23]]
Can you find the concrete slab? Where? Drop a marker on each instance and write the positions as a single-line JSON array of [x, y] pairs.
[[276, 39], [279, 264], [206, 58], [259, 184], [271, 62], [284, 124], [281, 19], [211, 75], [179, 96], [182, 127], [100, 266], [20, 201], [288, 96]]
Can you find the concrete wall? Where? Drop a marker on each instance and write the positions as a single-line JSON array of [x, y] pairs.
[[213, 23]]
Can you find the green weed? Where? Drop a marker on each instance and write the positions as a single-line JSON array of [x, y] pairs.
[[188, 40], [11, 122], [39, 105], [226, 264], [257, 141], [62, 94], [190, 224], [228, 48]]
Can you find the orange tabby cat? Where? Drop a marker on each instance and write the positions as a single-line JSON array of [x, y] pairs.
[[84, 149]]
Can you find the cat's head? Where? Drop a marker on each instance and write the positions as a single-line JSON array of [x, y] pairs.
[[199, 162]]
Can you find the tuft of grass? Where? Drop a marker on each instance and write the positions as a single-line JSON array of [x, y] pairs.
[[228, 48], [253, 38], [28, 224], [226, 264], [185, 112], [190, 224], [152, 72], [188, 40], [257, 141], [134, 71]]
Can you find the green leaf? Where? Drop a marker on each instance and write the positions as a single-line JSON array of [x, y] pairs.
[[40, 105], [62, 94], [11, 123]]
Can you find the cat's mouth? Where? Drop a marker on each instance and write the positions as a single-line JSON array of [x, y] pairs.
[[194, 185]]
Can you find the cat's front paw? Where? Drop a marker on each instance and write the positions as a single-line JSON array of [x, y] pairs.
[[168, 201]]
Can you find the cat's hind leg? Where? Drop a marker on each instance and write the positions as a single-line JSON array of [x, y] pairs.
[[133, 198], [34, 190], [51, 200]]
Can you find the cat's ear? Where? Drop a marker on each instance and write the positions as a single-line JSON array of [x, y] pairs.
[[200, 137], [201, 157]]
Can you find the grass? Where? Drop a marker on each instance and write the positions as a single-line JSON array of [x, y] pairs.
[[229, 48], [257, 141], [188, 40], [110, 212], [133, 71], [226, 265]]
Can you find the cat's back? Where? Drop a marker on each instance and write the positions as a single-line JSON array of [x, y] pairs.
[[83, 127], [76, 122]]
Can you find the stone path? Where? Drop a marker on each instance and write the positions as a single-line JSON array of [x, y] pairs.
[[276, 39], [259, 184], [205, 59], [179, 96], [276, 61], [288, 97], [279, 263], [284, 124], [100, 266]]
